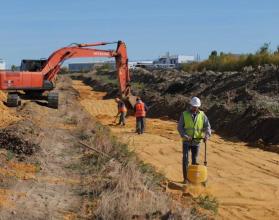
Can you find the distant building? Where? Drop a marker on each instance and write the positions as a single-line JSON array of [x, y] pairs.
[[145, 64], [132, 64], [180, 59], [141, 63], [163, 62], [80, 67], [2, 64], [172, 61]]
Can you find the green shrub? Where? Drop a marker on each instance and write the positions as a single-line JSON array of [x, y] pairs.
[[233, 62], [208, 202], [10, 155]]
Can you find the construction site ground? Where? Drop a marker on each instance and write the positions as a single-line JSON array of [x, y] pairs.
[[245, 180], [42, 185], [45, 185]]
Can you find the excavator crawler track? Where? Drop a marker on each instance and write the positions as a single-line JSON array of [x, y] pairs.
[[53, 100], [13, 100]]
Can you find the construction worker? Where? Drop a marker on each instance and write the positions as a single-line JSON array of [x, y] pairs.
[[193, 127], [140, 113], [122, 111]]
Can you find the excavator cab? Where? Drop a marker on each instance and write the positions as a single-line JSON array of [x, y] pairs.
[[32, 65]]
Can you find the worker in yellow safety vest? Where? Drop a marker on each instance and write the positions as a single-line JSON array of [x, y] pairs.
[[122, 111], [193, 127]]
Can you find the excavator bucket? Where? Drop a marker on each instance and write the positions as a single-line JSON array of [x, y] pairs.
[[128, 97], [132, 100]]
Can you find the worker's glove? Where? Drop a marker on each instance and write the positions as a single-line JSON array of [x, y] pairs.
[[205, 138], [187, 138]]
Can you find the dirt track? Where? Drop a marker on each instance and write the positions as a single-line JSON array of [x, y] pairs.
[[244, 180], [43, 186]]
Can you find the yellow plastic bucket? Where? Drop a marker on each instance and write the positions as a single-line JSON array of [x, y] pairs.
[[197, 174]]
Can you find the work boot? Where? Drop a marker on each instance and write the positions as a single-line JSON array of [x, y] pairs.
[[185, 181]]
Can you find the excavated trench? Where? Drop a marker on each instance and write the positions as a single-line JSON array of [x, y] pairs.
[[250, 99], [244, 179]]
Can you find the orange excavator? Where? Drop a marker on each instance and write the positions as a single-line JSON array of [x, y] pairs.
[[37, 76]]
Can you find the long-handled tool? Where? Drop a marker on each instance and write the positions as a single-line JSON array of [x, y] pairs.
[[115, 119], [205, 160]]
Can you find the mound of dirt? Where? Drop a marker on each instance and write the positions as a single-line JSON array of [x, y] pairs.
[[243, 104], [20, 138], [248, 98], [7, 115]]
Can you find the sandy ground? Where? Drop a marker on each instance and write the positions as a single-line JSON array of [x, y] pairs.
[[245, 180], [8, 115]]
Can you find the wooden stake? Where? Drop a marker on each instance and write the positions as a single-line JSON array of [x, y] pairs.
[[94, 149]]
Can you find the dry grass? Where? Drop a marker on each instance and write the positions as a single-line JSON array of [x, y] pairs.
[[130, 195], [122, 188], [118, 186]]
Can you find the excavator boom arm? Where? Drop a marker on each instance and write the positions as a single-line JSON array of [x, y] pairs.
[[54, 62], [41, 78]]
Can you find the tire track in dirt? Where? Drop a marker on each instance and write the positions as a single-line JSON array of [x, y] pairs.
[[244, 179]]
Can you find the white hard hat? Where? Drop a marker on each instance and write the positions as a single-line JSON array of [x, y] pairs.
[[195, 102]]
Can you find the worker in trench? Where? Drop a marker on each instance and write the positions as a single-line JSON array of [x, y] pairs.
[[122, 111], [193, 127], [140, 113]]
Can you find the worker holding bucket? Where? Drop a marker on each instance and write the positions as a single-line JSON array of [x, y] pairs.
[[193, 127]]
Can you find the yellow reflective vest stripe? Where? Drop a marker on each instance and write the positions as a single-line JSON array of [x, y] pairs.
[[193, 128]]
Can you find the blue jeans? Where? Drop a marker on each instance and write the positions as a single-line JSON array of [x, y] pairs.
[[186, 147], [140, 124], [122, 118]]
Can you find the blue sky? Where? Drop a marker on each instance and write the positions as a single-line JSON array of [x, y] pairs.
[[34, 29]]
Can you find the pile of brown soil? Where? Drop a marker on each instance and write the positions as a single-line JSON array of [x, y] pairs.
[[7, 115], [243, 104], [20, 138]]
